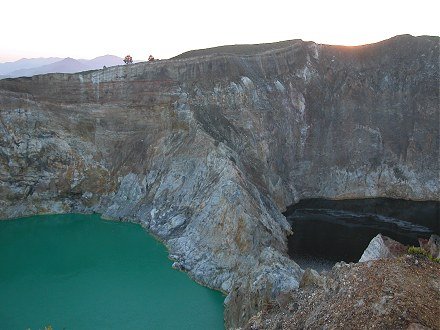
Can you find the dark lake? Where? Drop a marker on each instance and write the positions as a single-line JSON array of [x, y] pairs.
[[328, 231]]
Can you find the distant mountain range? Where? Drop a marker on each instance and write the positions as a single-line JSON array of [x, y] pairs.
[[29, 67]]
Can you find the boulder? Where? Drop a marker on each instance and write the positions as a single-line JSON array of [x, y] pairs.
[[382, 247], [432, 246], [311, 278]]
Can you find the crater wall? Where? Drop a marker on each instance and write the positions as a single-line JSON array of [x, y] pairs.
[[207, 151]]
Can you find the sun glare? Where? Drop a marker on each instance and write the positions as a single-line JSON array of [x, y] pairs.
[[86, 29]]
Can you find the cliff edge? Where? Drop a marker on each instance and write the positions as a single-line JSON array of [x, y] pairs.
[[207, 151]]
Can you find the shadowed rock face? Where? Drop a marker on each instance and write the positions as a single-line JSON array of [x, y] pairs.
[[206, 152]]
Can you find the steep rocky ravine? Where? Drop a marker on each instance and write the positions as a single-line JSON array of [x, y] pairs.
[[207, 151]]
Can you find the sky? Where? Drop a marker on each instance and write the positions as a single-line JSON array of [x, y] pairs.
[[164, 28]]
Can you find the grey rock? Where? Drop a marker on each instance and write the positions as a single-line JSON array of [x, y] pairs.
[[272, 276], [432, 246], [311, 278], [382, 247]]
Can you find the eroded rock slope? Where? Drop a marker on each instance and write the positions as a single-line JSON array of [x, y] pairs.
[[206, 151], [400, 293]]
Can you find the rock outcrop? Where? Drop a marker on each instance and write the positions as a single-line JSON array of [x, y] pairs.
[[205, 152], [400, 293], [382, 247], [431, 246]]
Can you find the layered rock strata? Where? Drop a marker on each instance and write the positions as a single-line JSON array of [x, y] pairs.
[[205, 152]]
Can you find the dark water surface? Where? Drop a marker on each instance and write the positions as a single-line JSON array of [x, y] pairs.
[[326, 231], [82, 272]]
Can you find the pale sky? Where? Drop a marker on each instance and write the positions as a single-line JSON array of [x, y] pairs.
[[165, 28]]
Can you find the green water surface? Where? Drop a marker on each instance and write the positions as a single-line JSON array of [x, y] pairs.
[[82, 272]]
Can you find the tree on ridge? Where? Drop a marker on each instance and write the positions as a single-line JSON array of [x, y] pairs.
[[128, 59]]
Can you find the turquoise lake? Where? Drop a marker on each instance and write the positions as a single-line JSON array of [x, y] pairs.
[[82, 272]]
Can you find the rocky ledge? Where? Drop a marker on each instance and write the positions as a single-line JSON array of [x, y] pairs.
[[207, 150], [389, 289]]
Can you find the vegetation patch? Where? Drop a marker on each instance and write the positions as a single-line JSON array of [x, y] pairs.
[[415, 250]]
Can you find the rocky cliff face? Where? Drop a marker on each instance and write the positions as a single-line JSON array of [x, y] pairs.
[[205, 152]]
